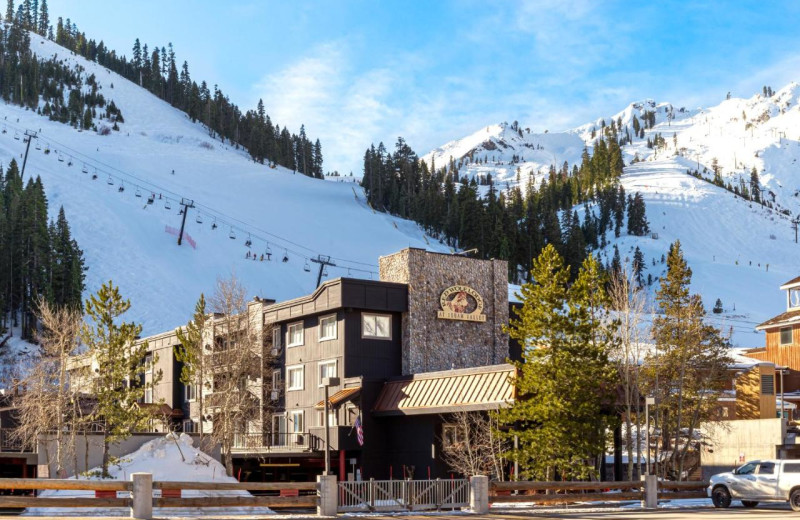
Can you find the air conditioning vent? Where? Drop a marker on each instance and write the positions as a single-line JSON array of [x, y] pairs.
[[274, 395], [276, 352]]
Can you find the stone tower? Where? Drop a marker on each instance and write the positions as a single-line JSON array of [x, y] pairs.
[[457, 307]]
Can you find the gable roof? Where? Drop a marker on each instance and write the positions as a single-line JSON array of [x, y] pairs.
[[786, 318]]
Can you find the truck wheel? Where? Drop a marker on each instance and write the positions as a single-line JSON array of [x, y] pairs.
[[794, 500], [749, 503], [721, 497]]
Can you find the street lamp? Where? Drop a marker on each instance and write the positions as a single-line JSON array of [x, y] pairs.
[[327, 382], [649, 401]]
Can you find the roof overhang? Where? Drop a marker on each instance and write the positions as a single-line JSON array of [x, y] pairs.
[[449, 391]]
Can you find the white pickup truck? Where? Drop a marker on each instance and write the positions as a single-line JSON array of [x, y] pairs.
[[758, 481]]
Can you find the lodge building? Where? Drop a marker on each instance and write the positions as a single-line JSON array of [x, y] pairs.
[[424, 341]]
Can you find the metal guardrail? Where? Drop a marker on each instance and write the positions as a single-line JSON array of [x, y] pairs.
[[402, 495], [275, 442]]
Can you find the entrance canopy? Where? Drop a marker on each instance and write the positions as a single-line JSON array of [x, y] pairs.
[[449, 391]]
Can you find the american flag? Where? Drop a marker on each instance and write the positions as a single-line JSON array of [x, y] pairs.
[[359, 431]]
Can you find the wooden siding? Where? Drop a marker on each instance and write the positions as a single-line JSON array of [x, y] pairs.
[[369, 357], [783, 355]]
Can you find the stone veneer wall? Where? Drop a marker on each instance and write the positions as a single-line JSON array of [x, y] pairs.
[[430, 343]]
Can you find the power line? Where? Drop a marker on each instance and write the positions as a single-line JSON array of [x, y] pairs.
[[225, 219]]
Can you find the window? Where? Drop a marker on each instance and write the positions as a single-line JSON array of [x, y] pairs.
[[350, 414], [148, 363], [327, 328], [786, 336], [296, 422], [276, 337], [791, 467], [279, 430], [768, 384], [295, 377], [794, 298], [276, 379], [766, 468], [332, 419], [188, 426], [326, 369], [452, 436], [376, 326], [148, 394], [191, 392], [294, 334], [747, 469]]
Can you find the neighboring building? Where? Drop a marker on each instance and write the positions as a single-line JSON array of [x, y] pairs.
[[424, 341]]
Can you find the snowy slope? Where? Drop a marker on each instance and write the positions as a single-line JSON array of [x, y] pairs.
[[728, 241], [124, 239]]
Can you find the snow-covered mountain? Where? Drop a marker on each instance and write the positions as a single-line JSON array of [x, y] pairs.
[[740, 251], [293, 217]]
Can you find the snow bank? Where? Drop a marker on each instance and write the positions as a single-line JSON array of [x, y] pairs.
[[171, 458]]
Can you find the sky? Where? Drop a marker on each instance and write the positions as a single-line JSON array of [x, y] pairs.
[[357, 72]]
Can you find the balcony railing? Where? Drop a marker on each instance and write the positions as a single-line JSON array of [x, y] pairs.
[[10, 444], [275, 442]]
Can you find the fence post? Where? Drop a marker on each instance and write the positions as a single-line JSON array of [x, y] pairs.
[[326, 487], [651, 491], [479, 494], [142, 496]]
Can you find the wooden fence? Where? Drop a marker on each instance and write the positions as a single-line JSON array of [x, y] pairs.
[[270, 494], [570, 492]]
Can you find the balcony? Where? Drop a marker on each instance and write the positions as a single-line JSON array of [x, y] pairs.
[[276, 443], [8, 444]]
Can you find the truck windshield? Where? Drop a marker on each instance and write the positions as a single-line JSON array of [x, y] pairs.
[[747, 469]]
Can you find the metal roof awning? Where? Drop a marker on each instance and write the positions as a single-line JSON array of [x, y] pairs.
[[339, 397], [471, 389]]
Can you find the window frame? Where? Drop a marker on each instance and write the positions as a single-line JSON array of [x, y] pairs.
[[191, 396], [276, 337], [320, 364], [291, 422], [457, 436], [148, 363], [289, 328], [331, 415], [276, 381], [365, 315], [335, 327], [289, 369], [790, 330], [148, 393]]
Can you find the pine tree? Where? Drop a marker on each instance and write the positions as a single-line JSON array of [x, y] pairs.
[[120, 382], [190, 353], [688, 371], [564, 383]]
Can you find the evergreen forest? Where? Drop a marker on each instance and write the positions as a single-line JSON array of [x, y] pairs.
[[509, 222], [28, 80]]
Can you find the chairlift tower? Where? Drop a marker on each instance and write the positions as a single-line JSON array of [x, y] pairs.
[[186, 203], [323, 261], [29, 134]]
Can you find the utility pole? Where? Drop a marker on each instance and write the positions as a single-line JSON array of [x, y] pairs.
[[322, 261], [30, 134], [186, 203]]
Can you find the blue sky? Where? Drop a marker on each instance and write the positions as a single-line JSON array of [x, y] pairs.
[[357, 71]]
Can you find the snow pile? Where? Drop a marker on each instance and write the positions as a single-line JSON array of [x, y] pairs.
[[171, 458]]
